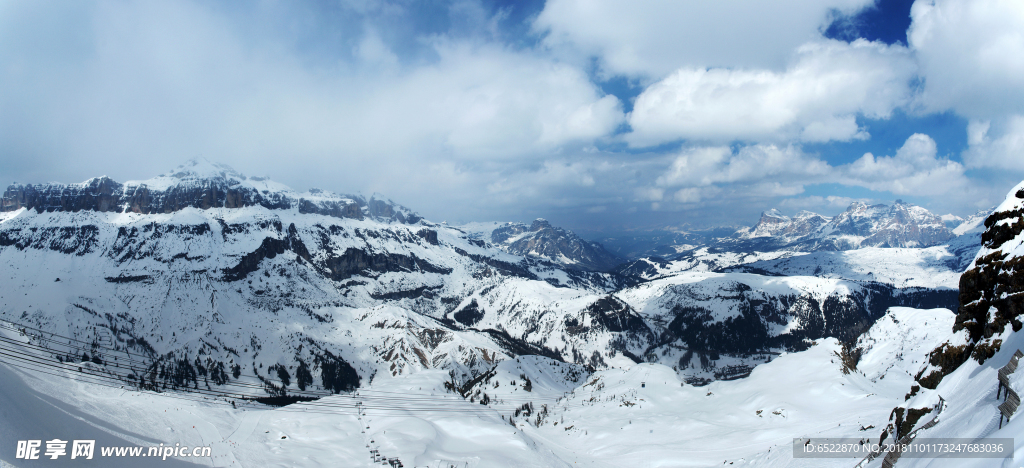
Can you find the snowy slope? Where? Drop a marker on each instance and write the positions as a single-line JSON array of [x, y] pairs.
[[931, 267], [720, 325], [215, 289], [962, 367], [456, 350], [641, 415]]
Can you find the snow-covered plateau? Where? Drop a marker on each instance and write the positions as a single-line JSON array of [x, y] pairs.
[[206, 308]]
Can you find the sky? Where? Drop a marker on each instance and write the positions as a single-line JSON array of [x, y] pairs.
[[598, 115]]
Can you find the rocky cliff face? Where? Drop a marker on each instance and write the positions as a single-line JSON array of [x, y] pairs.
[[558, 245], [991, 302], [712, 326], [899, 225], [196, 184], [991, 294], [992, 290]]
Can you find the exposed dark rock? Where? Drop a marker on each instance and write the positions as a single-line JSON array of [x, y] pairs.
[[428, 235], [519, 347], [337, 374], [642, 268], [222, 190], [422, 291], [270, 248], [355, 261], [469, 315], [77, 240], [841, 316], [130, 279]]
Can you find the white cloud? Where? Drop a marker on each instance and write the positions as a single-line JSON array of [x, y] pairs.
[[649, 194], [703, 166], [688, 195], [696, 166], [719, 174], [823, 205], [816, 99], [484, 101], [654, 38], [454, 118], [1000, 146], [971, 55], [150, 84], [914, 170], [373, 52]]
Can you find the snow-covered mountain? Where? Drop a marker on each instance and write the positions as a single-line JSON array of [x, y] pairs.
[[448, 348], [541, 240], [860, 226], [197, 184], [774, 224], [207, 273], [212, 275], [840, 247], [952, 391]]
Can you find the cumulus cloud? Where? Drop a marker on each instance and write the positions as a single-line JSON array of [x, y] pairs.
[[915, 169], [133, 89], [434, 105], [816, 99], [997, 146], [717, 175], [971, 55], [819, 204], [762, 172], [703, 166], [652, 39], [486, 101]]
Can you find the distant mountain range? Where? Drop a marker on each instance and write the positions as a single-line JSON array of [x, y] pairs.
[[540, 239], [900, 225], [861, 225], [197, 184], [212, 276]]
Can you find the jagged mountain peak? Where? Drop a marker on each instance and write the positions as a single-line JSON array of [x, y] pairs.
[[860, 225], [540, 223], [774, 224], [541, 239], [804, 214]]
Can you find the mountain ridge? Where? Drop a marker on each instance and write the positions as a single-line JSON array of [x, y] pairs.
[[860, 225], [541, 239], [197, 184]]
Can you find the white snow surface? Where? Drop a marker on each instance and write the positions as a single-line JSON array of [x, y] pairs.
[[641, 416], [902, 267]]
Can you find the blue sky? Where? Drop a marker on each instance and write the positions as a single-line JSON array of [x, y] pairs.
[[595, 114]]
